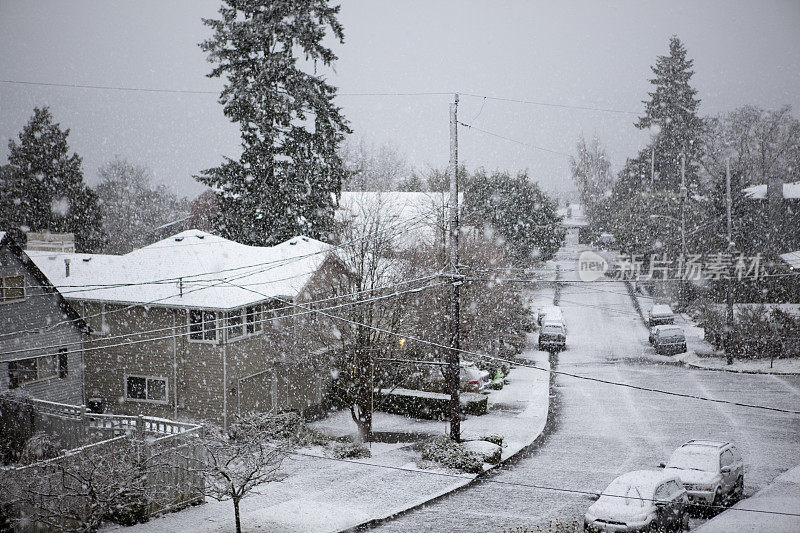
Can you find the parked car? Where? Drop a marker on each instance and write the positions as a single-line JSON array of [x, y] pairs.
[[552, 336], [660, 314], [669, 340], [471, 379], [712, 472], [644, 500]]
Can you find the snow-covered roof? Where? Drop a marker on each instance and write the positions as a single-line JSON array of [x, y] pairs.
[[412, 216], [759, 192], [792, 259], [210, 268]]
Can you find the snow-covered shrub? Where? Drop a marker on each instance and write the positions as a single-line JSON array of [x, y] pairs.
[[451, 454], [39, 447], [489, 452], [350, 450]]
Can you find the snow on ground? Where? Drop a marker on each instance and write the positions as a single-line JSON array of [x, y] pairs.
[[323, 494], [782, 495]]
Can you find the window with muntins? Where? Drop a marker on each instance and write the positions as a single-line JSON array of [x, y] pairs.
[[235, 324], [253, 316], [146, 389], [202, 325], [12, 288]]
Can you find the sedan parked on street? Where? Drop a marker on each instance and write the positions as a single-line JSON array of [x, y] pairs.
[[660, 314], [644, 500], [712, 472]]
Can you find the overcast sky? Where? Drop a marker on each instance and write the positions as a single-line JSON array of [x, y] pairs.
[[587, 54]]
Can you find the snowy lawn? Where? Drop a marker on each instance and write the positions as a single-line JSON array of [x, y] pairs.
[[759, 366], [324, 494]]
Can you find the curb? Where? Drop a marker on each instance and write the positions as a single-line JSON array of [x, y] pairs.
[[635, 301], [738, 371], [548, 427]]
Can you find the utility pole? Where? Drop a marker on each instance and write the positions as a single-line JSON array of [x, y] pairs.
[[454, 359], [729, 290]]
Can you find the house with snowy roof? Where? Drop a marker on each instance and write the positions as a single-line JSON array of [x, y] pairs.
[[41, 335], [198, 326]]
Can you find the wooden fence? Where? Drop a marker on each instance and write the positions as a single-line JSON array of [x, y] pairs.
[[135, 466]]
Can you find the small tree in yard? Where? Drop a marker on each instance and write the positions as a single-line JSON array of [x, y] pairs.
[[249, 454]]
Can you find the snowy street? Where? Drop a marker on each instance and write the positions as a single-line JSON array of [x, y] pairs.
[[602, 431]]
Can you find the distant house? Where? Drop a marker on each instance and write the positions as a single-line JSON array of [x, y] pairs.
[[41, 336], [197, 326]]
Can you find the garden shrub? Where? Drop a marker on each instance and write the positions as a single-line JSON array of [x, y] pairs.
[[451, 454], [350, 450]]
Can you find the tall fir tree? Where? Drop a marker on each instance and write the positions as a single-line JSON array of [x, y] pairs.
[[289, 175], [672, 110], [45, 185]]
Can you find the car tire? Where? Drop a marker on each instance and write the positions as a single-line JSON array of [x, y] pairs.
[[717, 502], [738, 489]]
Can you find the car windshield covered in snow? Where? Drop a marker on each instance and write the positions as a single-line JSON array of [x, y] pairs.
[[695, 458], [627, 492]]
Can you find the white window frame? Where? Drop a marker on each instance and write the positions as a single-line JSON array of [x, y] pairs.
[[257, 323], [240, 313], [217, 330], [4, 286], [147, 379]]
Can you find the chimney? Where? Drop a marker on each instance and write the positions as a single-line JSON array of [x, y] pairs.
[[66, 266]]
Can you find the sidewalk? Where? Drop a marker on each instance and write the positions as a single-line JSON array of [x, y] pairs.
[[750, 366], [782, 495]]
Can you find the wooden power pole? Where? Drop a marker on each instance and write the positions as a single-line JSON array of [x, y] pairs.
[[729, 284], [454, 359]]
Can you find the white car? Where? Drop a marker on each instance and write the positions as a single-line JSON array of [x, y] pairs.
[[644, 500], [712, 471]]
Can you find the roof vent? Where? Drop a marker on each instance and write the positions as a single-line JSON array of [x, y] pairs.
[[292, 243], [178, 239], [87, 259], [201, 236], [305, 239]]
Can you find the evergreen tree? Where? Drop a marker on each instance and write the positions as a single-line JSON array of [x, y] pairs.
[[288, 178], [521, 213], [672, 110], [46, 186], [591, 172]]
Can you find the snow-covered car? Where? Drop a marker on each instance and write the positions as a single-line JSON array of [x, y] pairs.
[[472, 378], [549, 313], [712, 471], [660, 314], [552, 336], [668, 340], [644, 500]]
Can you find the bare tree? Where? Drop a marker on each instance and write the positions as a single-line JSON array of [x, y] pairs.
[[249, 454], [371, 167], [761, 144]]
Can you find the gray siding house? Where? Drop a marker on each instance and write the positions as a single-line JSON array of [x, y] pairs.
[[41, 335]]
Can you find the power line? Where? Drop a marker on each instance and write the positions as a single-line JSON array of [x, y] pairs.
[[514, 140], [556, 372], [550, 104], [525, 485], [221, 327], [276, 262], [109, 87]]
